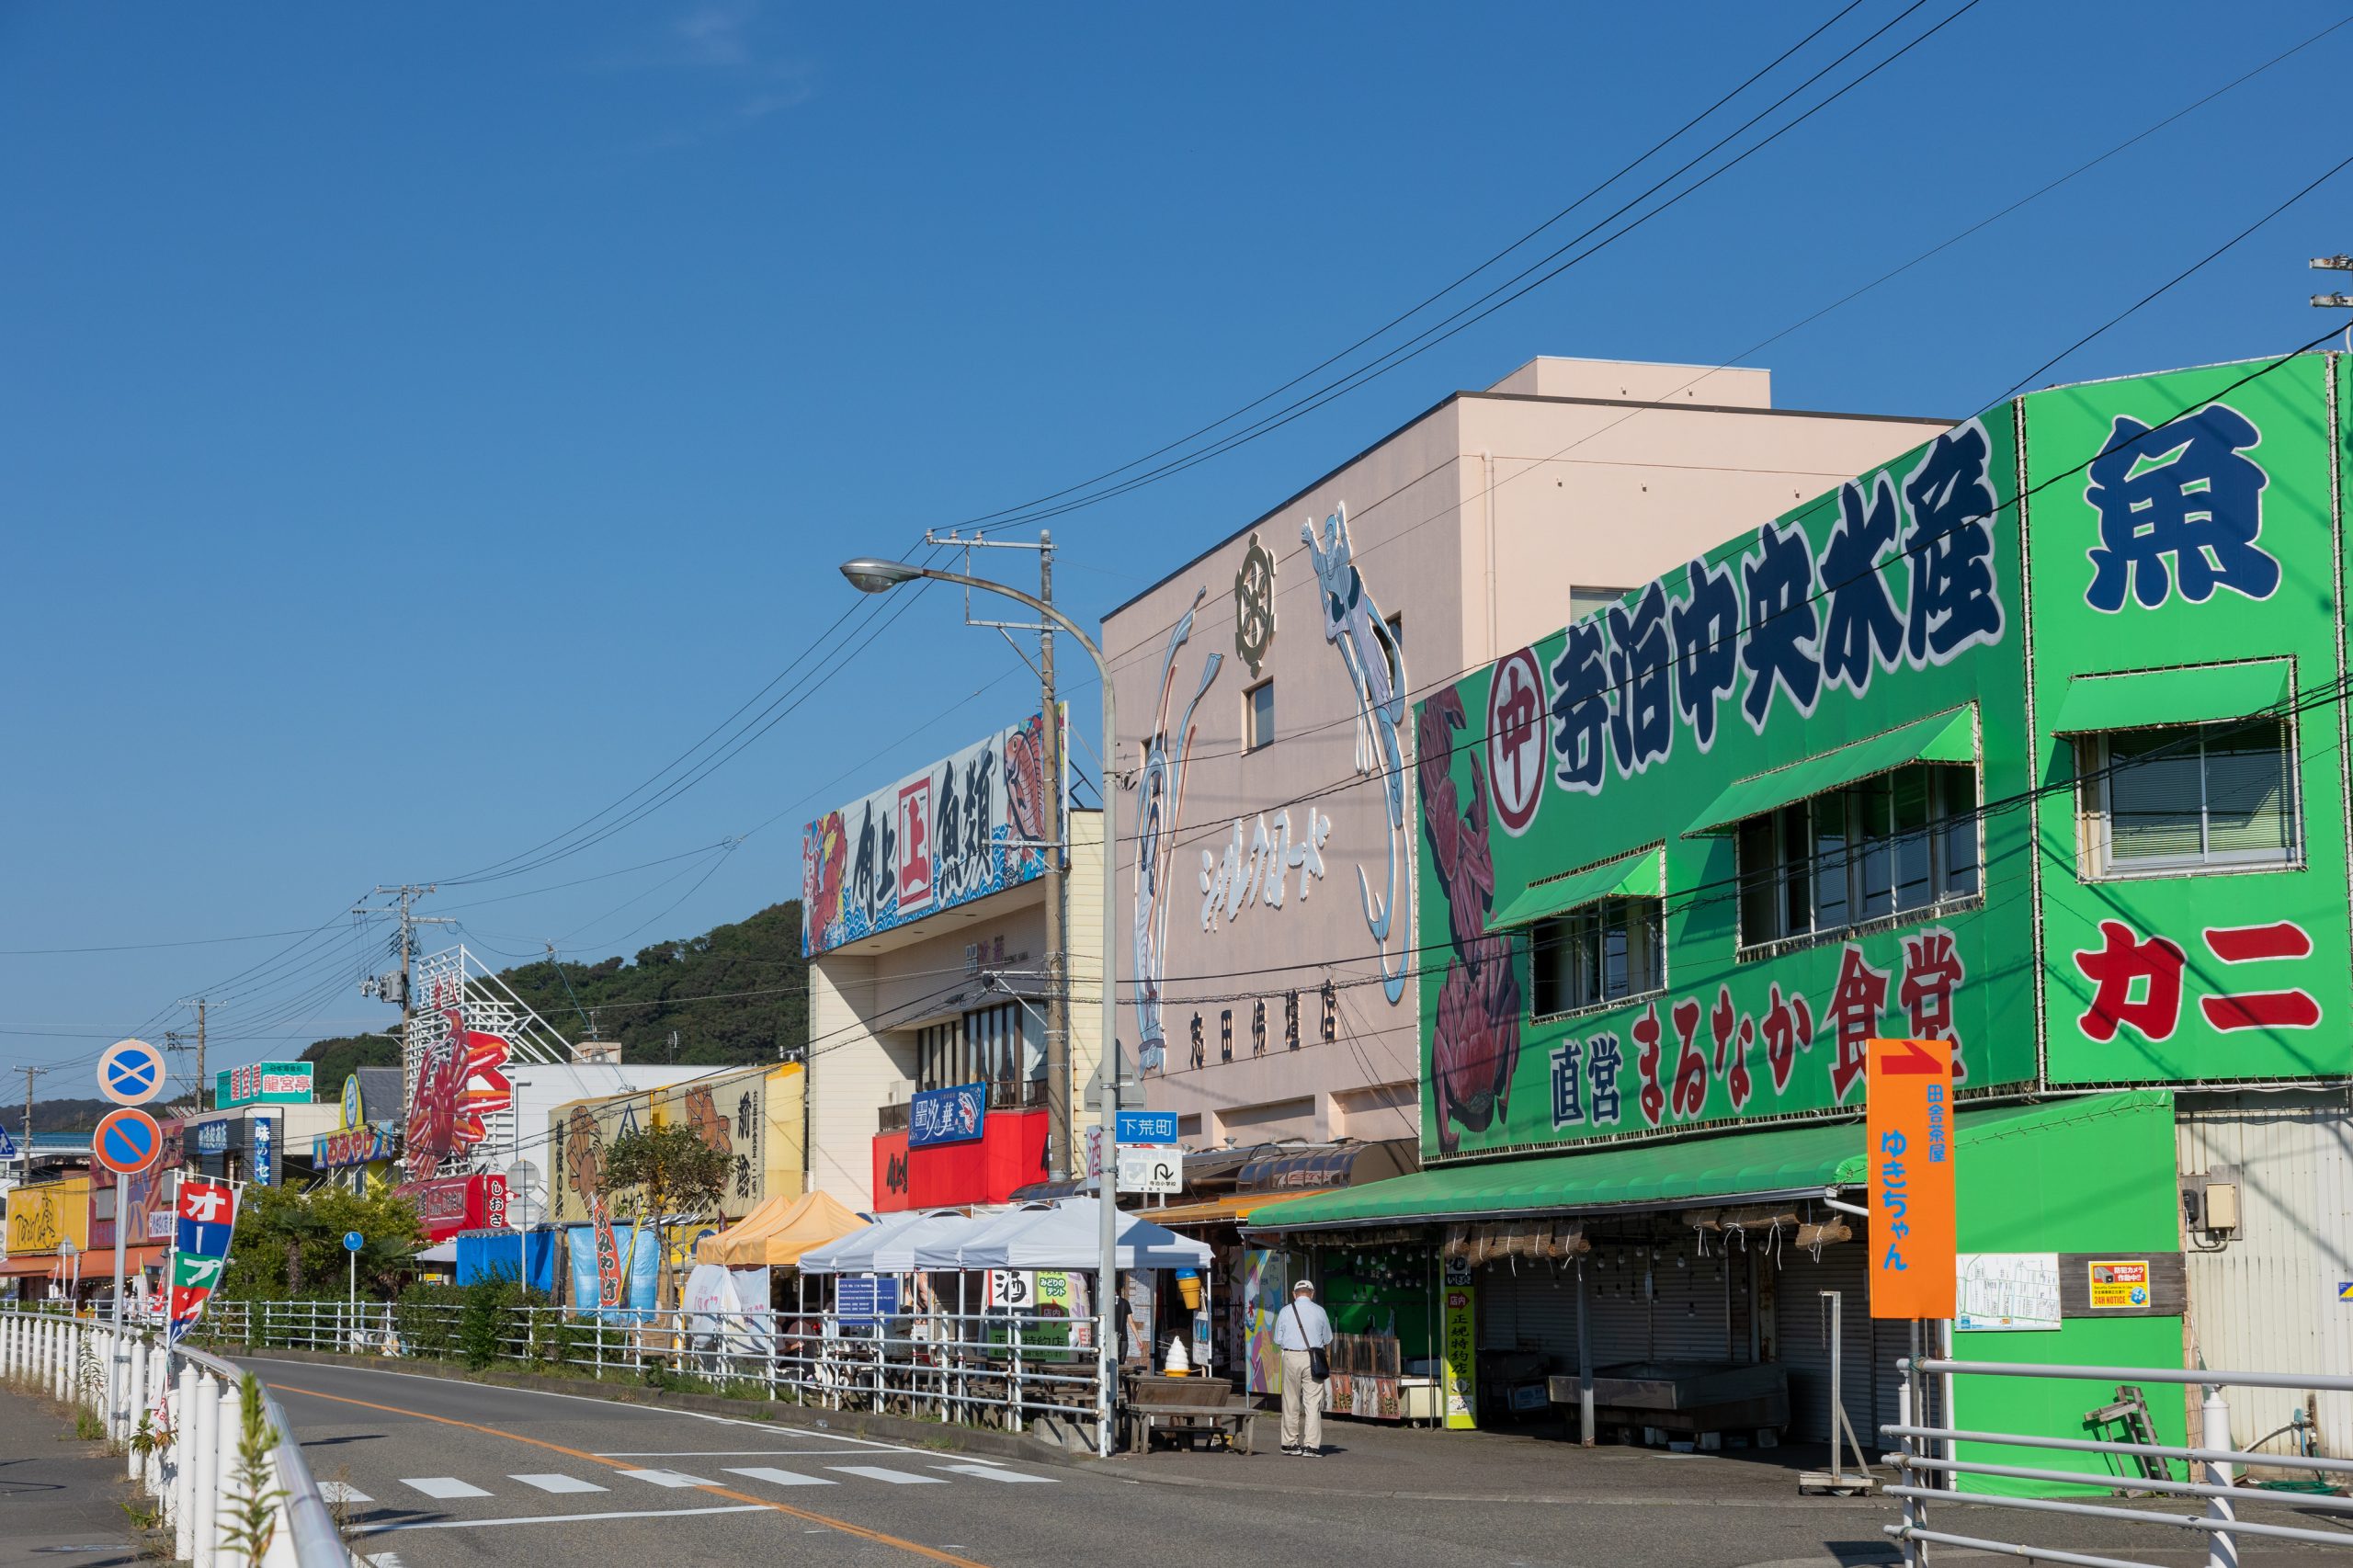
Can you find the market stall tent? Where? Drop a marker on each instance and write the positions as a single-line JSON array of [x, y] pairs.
[[854, 1254], [778, 1231], [952, 1252], [1069, 1235]]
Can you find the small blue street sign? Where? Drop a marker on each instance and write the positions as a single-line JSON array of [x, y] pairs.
[[7, 1145], [1138, 1127], [353, 1241], [131, 1073]]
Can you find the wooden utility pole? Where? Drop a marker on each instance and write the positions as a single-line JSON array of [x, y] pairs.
[[1058, 1142]]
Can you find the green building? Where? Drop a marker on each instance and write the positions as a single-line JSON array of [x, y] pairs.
[[2034, 740]]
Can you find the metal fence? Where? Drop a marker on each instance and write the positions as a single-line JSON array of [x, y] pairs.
[[205, 1441], [1927, 1455], [1000, 1369]]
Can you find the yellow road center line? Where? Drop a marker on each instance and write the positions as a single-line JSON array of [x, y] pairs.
[[880, 1538]]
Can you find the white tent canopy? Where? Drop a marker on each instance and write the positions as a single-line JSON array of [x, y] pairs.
[[1070, 1236], [952, 1252], [853, 1254], [898, 1252]]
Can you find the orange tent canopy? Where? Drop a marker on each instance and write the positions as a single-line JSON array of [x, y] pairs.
[[779, 1230]]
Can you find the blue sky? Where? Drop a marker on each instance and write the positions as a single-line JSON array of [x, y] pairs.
[[423, 423]]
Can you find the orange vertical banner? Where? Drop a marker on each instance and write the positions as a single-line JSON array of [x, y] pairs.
[[1908, 1124]]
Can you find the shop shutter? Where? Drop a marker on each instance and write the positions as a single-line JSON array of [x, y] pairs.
[[1534, 1308], [1802, 1319], [1621, 1315], [1690, 1316]]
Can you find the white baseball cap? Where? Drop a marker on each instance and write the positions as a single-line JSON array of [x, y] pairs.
[[1306, 1285]]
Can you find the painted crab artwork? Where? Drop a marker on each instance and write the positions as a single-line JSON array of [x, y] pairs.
[[1474, 1046]]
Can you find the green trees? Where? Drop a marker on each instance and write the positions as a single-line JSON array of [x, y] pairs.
[[668, 1172], [290, 1244]]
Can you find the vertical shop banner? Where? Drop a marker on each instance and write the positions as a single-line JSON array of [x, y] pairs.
[[1459, 1371], [1908, 1131], [205, 1220], [609, 1258]]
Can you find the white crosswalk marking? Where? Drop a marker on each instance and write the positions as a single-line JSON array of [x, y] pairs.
[[779, 1477], [895, 1477], [442, 1486], [557, 1483], [666, 1478], [340, 1492], [992, 1473]]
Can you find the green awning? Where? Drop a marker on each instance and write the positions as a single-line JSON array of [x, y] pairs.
[[1782, 1162], [2198, 695], [1947, 737], [1629, 876]]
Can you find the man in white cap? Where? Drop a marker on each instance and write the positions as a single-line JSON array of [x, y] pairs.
[[1301, 1333]]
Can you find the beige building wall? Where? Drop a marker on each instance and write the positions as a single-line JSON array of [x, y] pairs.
[[867, 999], [1490, 522]]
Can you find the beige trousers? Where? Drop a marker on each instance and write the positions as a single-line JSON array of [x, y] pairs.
[[1303, 1396]]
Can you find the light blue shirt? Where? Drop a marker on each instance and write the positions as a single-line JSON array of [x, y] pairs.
[[1300, 1314]]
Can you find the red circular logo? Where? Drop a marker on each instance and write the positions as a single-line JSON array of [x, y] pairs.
[[1516, 760]]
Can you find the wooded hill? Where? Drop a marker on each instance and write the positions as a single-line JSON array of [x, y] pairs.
[[736, 994]]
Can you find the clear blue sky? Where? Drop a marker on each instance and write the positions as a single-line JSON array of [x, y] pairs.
[[419, 424]]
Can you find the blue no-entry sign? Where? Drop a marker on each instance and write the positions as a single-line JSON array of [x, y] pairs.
[[127, 1140], [353, 1241], [131, 1073]]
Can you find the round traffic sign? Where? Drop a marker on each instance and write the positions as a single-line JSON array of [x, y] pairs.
[[127, 1140], [131, 1073], [353, 1241]]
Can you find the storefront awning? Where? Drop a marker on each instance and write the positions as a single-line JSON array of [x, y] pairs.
[[1315, 1169], [1629, 876], [1785, 1161], [1234, 1206], [2149, 697], [1945, 737]]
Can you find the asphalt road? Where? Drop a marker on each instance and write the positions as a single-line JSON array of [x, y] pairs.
[[433, 1472]]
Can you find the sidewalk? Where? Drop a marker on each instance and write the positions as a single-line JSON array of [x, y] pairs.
[[60, 1498], [1539, 1462]]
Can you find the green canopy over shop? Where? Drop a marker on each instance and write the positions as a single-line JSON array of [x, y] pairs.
[[1945, 737], [1784, 1162]]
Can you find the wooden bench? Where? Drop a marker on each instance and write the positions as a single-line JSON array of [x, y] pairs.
[[1233, 1424]]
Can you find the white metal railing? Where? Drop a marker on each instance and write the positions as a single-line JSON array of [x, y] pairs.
[[203, 1438], [998, 1368], [1918, 1449]]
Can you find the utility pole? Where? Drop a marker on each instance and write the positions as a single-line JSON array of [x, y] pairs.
[[1058, 1142], [30, 1073], [203, 1086], [2333, 264], [407, 894]]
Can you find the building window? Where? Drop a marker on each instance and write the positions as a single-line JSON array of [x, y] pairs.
[[1394, 652], [2188, 797], [1597, 953], [1258, 716], [1901, 842], [1588, 601]]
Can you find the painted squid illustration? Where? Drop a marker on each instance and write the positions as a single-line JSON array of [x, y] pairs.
[[1160, 797], [1376, 666]]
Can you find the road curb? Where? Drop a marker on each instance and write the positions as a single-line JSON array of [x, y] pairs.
[[899, 1429]]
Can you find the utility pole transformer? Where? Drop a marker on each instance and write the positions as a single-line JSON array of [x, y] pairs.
[[403, 984], [1058, 1139]]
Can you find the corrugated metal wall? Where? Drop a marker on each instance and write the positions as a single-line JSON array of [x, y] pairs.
[[2268, 1299]]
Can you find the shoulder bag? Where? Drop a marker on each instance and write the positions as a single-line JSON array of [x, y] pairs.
[[1319, 1365]]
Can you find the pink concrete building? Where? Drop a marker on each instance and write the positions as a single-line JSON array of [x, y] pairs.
[[1266, 692]]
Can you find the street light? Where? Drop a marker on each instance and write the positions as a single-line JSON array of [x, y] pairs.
[[870, 575]]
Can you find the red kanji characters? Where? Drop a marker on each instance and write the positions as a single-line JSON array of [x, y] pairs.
[[1691, 1062], [1932, 969], [2259, 1009], [1726, 1026], [2121, 963], [1789, 1029], [1646, 1040], [1856, 1003]]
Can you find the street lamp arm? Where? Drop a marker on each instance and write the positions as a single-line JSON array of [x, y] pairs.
[[1040, 605]]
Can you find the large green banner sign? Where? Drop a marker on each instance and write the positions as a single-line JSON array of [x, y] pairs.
[[1681, 860], [2199, 554]]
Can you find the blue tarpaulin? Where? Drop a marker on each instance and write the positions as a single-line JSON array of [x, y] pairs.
[[525, 1255]]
